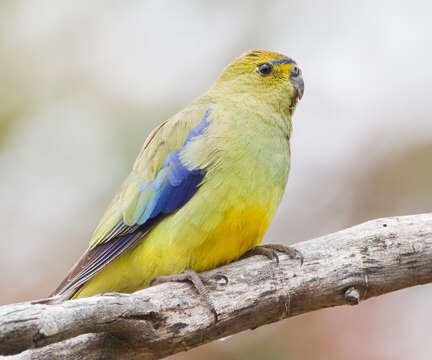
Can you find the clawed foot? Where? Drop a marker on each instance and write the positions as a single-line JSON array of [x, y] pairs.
[[270, 251], [197, 282]]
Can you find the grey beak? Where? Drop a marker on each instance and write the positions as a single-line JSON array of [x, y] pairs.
[[299, 86]]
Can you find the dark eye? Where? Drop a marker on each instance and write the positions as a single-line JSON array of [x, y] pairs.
[[295, 71], [265, 69]]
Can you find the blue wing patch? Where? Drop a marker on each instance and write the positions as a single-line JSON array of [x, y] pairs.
[[175, 184]]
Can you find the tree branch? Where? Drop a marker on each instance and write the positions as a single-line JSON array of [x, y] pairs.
[[346, 267]]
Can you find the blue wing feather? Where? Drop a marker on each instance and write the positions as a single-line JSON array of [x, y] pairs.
[[175, 184]]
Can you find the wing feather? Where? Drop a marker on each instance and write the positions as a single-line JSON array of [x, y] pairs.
[[141, 204]]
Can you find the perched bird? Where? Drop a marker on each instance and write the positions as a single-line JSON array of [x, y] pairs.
[[204, 187]]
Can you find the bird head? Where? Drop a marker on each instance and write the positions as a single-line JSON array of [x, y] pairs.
[[272, 77]]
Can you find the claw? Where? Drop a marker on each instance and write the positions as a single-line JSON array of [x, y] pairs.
[[270, 251], [216, 277], [197, 282]]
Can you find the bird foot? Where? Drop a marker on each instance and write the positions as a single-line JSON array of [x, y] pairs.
[[270, 251], [197, 282]]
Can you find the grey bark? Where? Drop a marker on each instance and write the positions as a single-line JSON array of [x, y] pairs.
[[346, 267]]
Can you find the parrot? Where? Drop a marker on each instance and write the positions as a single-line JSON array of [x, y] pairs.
[[204, 187]]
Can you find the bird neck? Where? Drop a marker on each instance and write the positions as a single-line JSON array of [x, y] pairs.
[[253, 106], [240, 92]]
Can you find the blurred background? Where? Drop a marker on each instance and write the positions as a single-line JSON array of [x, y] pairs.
[[82, 84]]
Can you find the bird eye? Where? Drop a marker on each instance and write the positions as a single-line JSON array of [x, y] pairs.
[[295, 71], [265, 69]]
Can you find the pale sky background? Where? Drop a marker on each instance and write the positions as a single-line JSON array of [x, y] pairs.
[[84, 82]]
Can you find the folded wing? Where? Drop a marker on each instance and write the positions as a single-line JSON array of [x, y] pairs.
[[159, 185]]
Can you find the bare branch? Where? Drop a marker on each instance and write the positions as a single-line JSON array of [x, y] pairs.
[[342, 268]]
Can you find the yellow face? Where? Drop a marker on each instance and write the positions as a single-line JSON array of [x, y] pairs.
[[281, 64], [266, 73]]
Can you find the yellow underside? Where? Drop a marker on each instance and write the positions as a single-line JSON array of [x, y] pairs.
[[177, 243]]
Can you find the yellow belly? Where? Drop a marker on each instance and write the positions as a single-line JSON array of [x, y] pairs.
[[176, 244]]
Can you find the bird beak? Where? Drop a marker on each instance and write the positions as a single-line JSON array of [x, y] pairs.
[[299, 86]]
